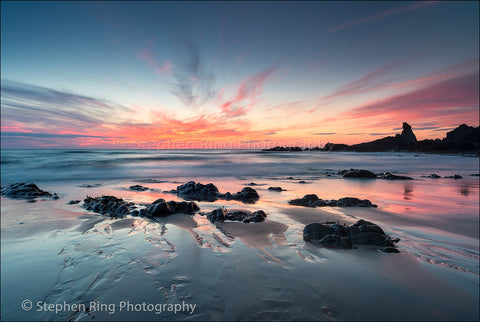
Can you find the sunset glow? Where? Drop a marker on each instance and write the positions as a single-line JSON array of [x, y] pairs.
[[160, 75]]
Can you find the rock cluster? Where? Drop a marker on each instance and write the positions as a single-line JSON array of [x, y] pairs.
[[198, 191], [26, 191], [162, 208], [312, 200], [108, 205], [357, 173], [117, 207], [222, 214], [390, 176], [209, 192], [361, 233], [361, 173], [246, 195], [279, 189], [138, 187], [462, 139]]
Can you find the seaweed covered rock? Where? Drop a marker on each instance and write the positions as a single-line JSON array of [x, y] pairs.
[[197, 191], [358, 173], [279, 189], [117, 207], [25, 191], [307, 201], [209, 192], [162, 208], [361, 233], [312, 200], [246, 195], [108, 205], [390, 176], [138, 187], [222, 214]]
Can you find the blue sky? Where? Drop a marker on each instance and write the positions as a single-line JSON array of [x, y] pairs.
[[78, 74]]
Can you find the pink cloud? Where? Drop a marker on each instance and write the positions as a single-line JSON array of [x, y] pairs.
[[148, 56], [454, 98], [384, 14], [246, 94]]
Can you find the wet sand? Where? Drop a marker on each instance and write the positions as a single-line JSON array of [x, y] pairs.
[[55, 252]]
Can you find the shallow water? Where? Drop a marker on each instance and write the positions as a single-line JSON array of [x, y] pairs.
[[59, 253]]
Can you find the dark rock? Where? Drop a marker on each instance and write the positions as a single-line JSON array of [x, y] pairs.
[[475, 174], [251, 184], [365, 232], [122, 211], [359, 173], [244, 216], [138, 188], [198, 191], [389, 176], [332, 147], [315, 231], [336, 241], [313, 201], [407, 138], [217, 215], [135, 213], [284, 149], [246, 195], [434, 176], [258, 216], [307, 201], [158, 201], [302, 181], [161, 208], [73, 202], [143, 213], [354, 202], [390, 250], [279, 189], [464, 136], [186, 207], [107, 205], [456, 176], [335, 235], [173, 191], [462, 139], [339, 230], [24, 191]]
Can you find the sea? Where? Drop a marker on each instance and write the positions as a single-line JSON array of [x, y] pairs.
[[57, 253]]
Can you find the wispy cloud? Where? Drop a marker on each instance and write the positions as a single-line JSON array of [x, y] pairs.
[[381, 15], [147, 55], [246, 95], [43, 108], [453, 97], [39, 116], [194, 82], [48, 135]]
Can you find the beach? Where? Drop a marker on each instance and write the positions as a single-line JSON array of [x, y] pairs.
[[59, 253]]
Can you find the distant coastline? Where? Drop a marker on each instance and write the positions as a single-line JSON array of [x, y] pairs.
[[462, 140]]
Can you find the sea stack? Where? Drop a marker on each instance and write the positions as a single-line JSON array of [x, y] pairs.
[[407, 138]]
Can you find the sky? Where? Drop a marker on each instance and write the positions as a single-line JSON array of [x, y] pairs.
[[175, 75]]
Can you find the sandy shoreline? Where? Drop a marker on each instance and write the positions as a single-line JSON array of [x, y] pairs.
[[55, 252]]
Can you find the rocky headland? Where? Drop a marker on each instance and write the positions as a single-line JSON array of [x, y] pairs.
[[463, 139]]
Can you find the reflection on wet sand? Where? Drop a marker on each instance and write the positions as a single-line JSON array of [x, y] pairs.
[[407, 191]]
